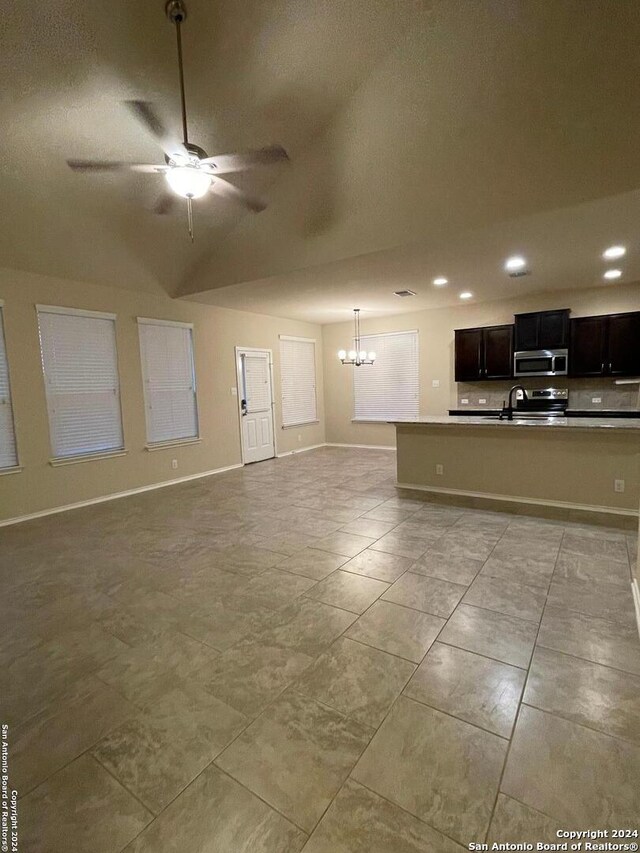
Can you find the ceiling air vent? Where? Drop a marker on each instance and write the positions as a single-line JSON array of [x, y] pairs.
[[404, 293], [519, 273]]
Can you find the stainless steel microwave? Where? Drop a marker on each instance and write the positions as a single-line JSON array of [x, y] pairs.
[[543, 362]]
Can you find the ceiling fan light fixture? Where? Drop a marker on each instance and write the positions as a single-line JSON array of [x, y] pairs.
[[188, 181]]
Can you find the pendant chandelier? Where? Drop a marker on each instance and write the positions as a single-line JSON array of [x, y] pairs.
[[358, 355]]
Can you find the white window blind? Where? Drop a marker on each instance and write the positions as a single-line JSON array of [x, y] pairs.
[[8, 451], [168, 373], [80, 367], [388, 389], [298, 380]]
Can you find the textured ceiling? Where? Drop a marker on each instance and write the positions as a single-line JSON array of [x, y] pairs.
[[426, 138]]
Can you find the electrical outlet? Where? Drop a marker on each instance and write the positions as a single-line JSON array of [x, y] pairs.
[[464, 401], [596, 399], [618, 485], [439, 469], [482, 401], [174, 464], [234, 391], [435, 383]]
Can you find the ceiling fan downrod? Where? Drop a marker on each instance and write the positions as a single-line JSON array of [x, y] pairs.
[[176, 12]]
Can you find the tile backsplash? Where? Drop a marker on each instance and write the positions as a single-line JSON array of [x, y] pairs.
[[583, 393]]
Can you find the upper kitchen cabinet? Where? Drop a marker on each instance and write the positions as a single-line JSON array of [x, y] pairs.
[[485, 353], [605, 346], [538, 330]]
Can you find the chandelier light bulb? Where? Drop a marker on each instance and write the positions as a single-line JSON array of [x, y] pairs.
[[352, 354], [342, 354], [372, 356], [363, 355], [188, 181]]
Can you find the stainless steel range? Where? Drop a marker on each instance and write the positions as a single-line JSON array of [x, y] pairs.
[[542, 403]]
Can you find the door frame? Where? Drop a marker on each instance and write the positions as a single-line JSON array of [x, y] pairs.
[[269, 352]]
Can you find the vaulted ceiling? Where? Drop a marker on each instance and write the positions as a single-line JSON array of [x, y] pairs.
[[426, 137]]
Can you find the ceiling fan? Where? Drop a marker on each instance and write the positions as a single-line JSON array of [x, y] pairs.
[[188, 170]]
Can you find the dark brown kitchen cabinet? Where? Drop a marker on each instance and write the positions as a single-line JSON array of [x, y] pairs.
[[485, 353], [539, 330], [608, 345]]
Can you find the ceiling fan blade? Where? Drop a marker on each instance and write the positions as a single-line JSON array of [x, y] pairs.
[[244, 160], [112, 166], [165, 204], [145, 113], [226, 190]]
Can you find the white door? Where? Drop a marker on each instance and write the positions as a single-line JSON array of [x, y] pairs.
[[256, 404]]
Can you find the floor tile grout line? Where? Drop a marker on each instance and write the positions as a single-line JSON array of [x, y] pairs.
[[560, 716], [519, 708], [453, 716], [254, 794], [122, 785], [588, 660], [402, 809], [500, 612]]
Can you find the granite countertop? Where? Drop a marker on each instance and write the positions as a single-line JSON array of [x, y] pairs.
[[541, 423]]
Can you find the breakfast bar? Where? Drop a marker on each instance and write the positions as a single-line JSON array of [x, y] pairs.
[[578, 468]]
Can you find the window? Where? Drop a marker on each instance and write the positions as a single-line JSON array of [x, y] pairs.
[[166, 350], [8, 451], [298, 380], [80, 366], [388, 389]]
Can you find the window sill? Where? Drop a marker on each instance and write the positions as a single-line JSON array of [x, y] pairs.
[[59, 461], [178, 442], [15, 469], [302, 423]]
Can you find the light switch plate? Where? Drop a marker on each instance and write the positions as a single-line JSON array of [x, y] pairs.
[[464, 401], [435, 383], [596, 399], [482, 401], [234, 392]]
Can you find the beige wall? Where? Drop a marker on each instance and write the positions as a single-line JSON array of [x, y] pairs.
[[436, 330], [217, 331]]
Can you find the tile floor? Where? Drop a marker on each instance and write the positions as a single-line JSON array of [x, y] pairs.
[[296, 657]]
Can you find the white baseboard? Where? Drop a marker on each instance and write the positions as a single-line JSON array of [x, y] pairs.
[[299, 450], [631, 513], [635, 589], [363, 446], [114, 496]]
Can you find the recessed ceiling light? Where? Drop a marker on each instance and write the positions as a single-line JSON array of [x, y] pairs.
[[613, 274], [516, 262], [614, 252], [440, 281], [466, 294]]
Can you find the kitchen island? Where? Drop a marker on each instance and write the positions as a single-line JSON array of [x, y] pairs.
[[566, 468]]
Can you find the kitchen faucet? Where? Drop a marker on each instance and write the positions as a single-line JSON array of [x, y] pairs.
[[507, 411]]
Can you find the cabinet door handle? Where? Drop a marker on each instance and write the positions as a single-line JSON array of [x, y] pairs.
[[602, 367], [610, 370]]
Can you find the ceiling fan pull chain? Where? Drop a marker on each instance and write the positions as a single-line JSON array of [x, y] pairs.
[[190, 217]]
